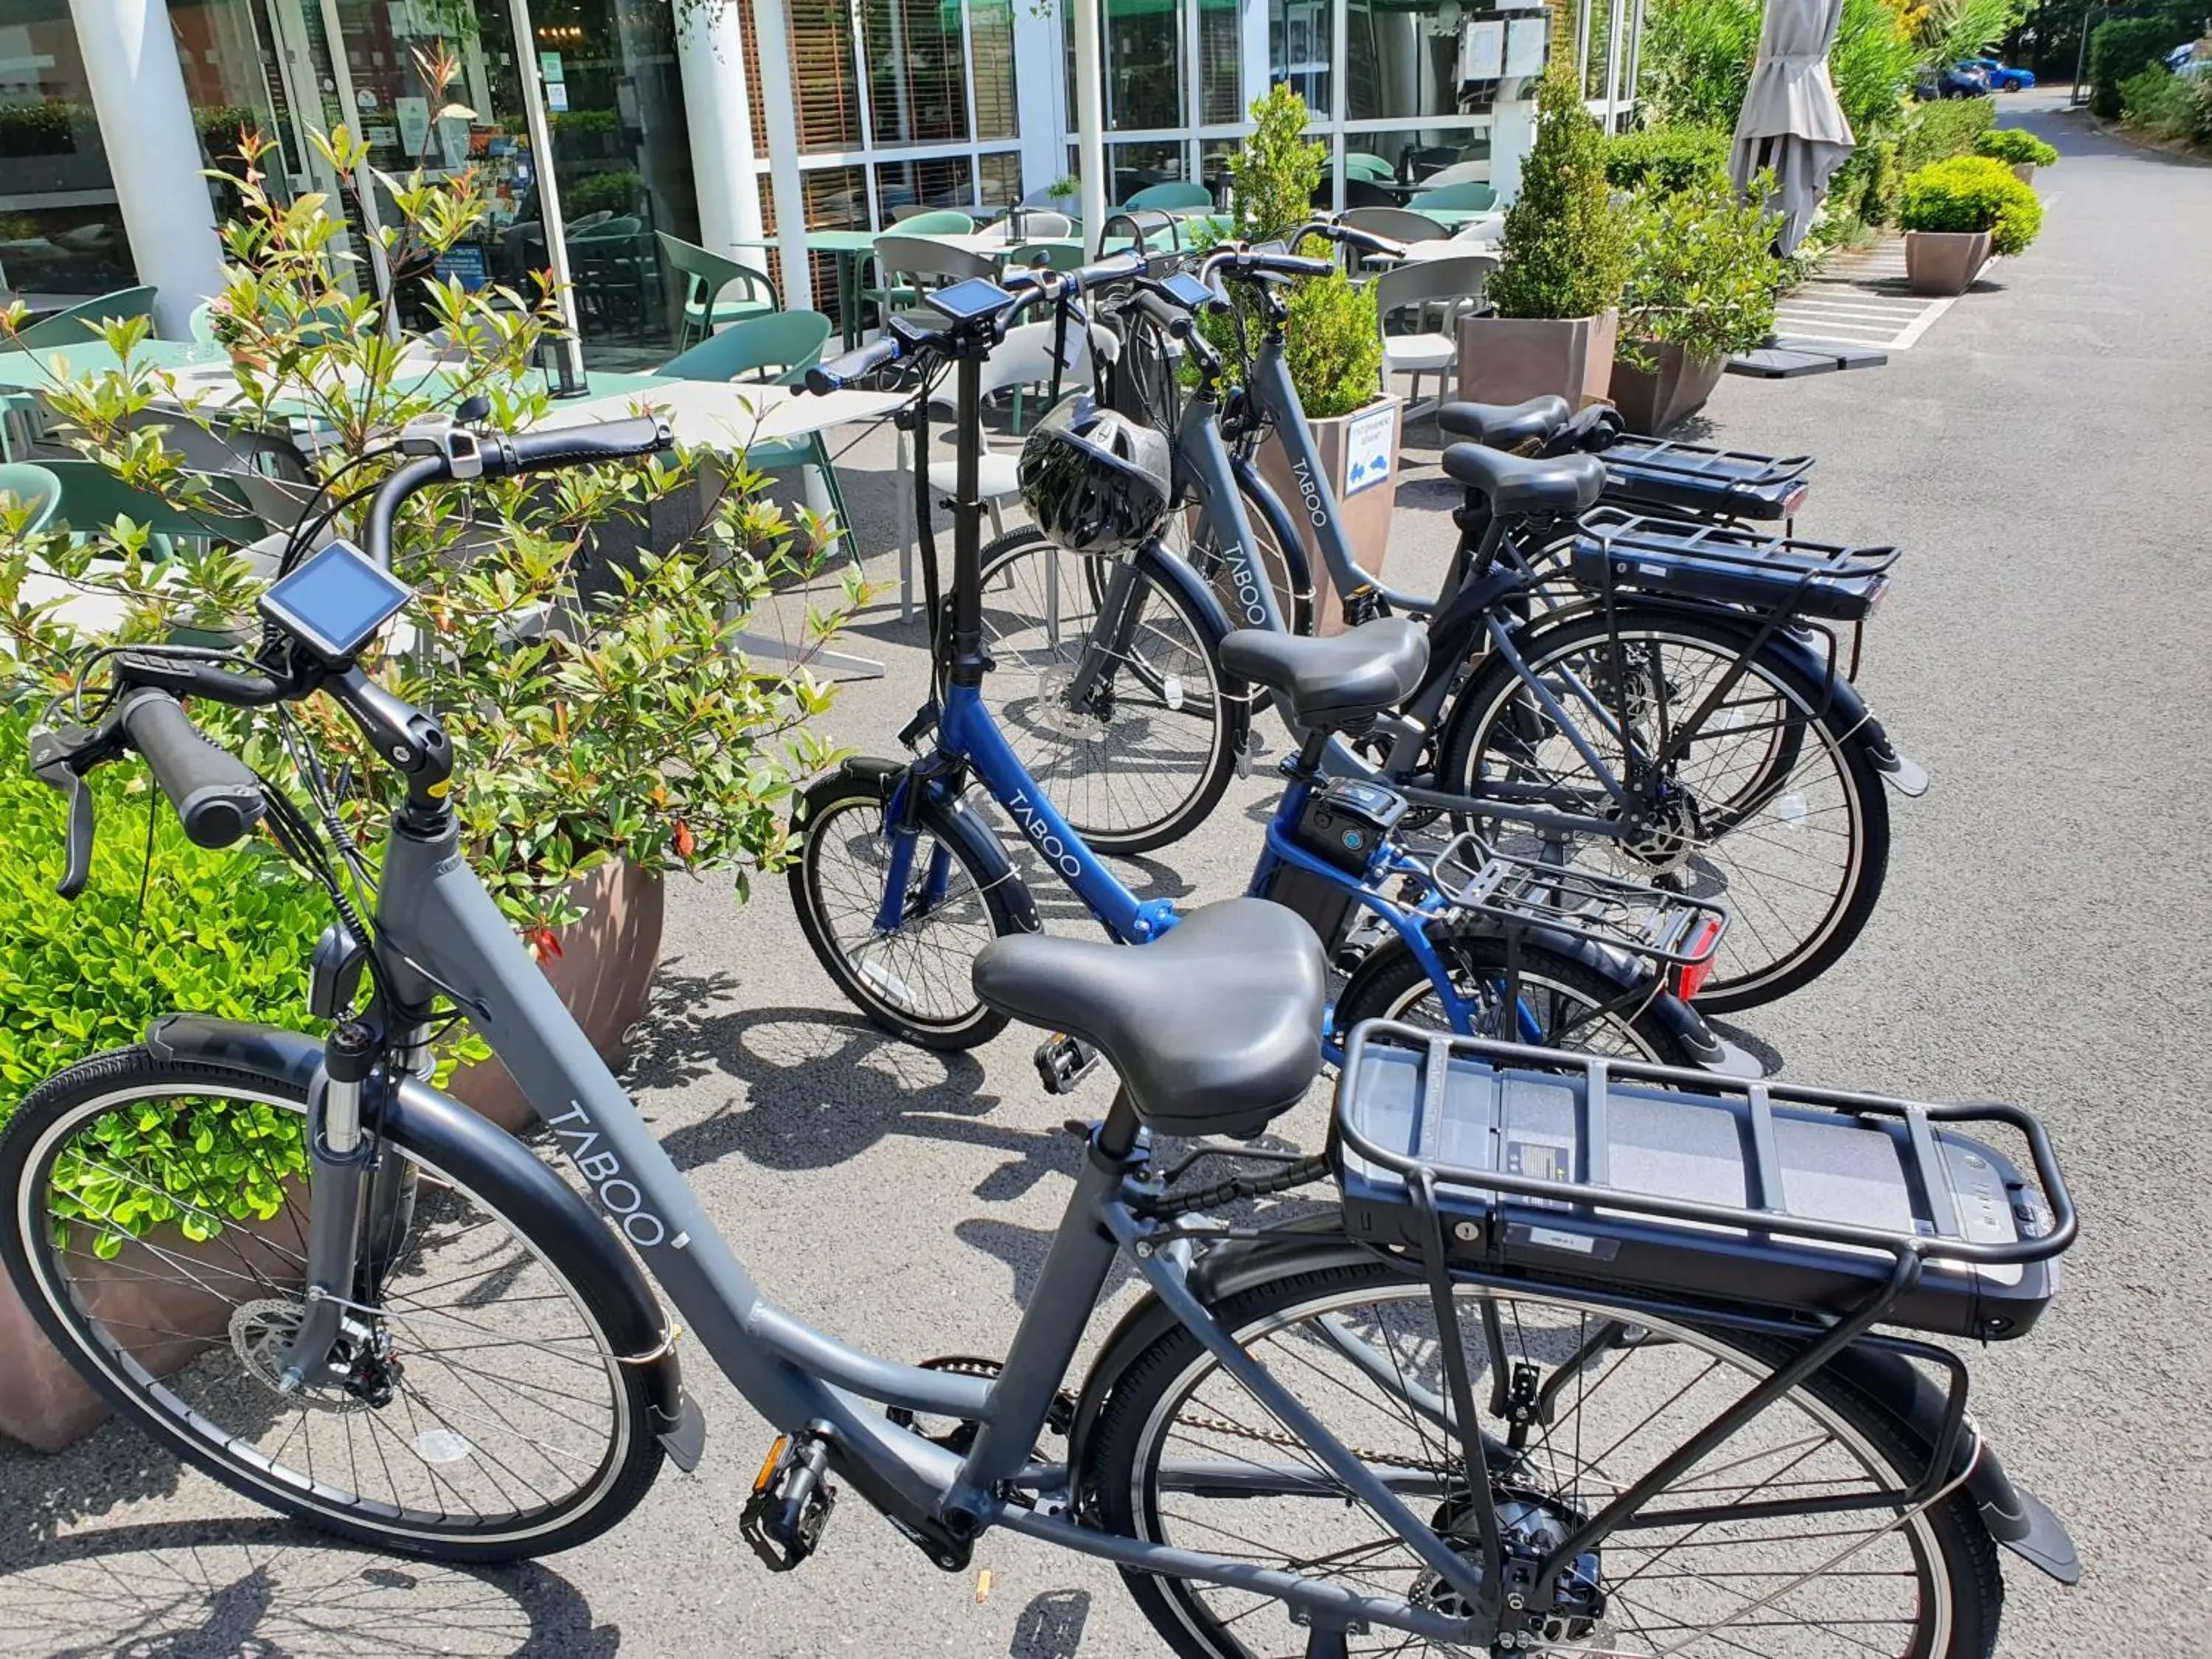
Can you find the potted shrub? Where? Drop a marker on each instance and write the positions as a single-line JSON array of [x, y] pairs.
[[1958, 212], [1564, 258], [1700, 286], [2017, 148], [1335, 346]]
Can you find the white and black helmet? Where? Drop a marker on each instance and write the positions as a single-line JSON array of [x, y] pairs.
[[1094, 480]]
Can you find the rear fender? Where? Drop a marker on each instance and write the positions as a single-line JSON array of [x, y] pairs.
[[492, 1163]]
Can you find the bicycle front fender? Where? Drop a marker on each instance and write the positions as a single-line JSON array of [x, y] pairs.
[[948, 817], [1158, 565], [497, 1167]]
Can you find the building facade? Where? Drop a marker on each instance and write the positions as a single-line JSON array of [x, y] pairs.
[[694, 117]]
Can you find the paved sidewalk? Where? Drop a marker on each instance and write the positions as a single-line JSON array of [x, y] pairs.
[[1860, 300], [2044, 937]]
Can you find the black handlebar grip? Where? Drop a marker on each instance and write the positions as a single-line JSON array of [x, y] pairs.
[[1166, 313], [839, 372], [216, 795], [576, 446]]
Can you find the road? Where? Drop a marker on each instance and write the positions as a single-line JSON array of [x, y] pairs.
[[2042, 454]]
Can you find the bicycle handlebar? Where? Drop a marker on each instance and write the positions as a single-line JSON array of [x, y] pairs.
[[217, 797]]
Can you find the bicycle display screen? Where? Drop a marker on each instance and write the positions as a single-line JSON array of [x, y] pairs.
[[336, 601], [965, 301], [1187, 290]]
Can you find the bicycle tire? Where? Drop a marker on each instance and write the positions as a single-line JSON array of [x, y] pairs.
[[1763, 955], [174, 1396], [1946, 1550], [980, 910], [1121, 800], [1390, 983]]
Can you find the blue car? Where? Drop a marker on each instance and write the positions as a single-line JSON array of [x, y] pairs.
[[1964, 79], [2002, 77]]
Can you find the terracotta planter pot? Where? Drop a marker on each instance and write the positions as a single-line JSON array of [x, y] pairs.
[[1652, 401], [604, 973], [1507, 359], [45, 1404], [1944, 261], [1364, 504], [2024, 171]]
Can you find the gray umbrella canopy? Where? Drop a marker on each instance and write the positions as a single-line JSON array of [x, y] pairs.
[[1792, 122]]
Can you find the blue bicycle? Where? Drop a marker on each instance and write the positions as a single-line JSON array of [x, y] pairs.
[[899, 882]]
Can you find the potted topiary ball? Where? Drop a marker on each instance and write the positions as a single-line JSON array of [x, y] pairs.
[[1957, 213], [1701, 280], [2018, 149], [1563, 257]]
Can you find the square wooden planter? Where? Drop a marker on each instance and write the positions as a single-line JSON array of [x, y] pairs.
[[1509, 359], [2024, 171], [1367, 437], [1944, 262]]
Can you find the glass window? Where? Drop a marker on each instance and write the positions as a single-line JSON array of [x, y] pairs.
[[1001, 176], [1220, 61], [60, 231], [991, 40], [917, 71], [1402, 58], [1134, 167], [944, 181], [1143, 66], [1414, 154], [821, 81], [1298, 55]]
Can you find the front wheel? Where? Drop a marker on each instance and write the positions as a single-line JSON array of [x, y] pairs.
[[157, 1229], [1183, 1456]]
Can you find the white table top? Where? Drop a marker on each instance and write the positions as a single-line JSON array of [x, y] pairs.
[[730, 415]]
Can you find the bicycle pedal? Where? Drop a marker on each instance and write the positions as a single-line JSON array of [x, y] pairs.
[[1063, 1061], [791, 1499]]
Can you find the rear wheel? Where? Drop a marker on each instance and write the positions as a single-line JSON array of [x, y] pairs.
[[1131, 737], [483, 1413], [1183, 1456], [910, 978]]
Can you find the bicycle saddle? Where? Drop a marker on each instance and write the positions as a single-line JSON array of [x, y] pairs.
[[1517, 485], [1505, 426], [1333, 681], [1214, 1028]]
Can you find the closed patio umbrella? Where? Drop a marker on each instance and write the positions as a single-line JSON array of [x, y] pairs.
[[1792, 122]]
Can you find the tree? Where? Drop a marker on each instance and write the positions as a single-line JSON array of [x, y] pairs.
[[1565, 250]]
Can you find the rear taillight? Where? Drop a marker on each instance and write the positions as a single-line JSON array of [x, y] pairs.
[[1795, 498]]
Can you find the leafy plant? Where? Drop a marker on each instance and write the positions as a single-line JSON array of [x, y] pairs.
[[1947, 30], [2121, 49], [1273, 176], [1068, 188], [596, 192], [2016, 145], [1695, 64], [1864, 188], [226, 933], [1970, 193], [1670, 158], [596, 698], [1938, 130], [1334, 350], [1871, 68], [1701, 269], [1563, 251], [2162, 103]]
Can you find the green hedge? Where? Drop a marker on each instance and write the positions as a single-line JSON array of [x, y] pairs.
[[2165, 105], [2015, 145], [1865, 185], [1949, 126], [1973, 192], [1671, 159], [2123, 48]]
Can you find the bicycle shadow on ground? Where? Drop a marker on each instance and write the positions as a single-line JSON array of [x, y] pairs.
[[820, 1087], [262, 1588]]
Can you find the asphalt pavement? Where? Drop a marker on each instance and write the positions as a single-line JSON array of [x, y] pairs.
[[2042, 454]]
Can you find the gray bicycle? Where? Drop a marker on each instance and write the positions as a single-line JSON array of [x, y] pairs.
[[1570, 1353]]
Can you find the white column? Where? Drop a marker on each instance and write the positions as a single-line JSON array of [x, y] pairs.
[[146, 123], [1257, 59], [1090, 123], [1037, 79], [710, 57], [772, 40]]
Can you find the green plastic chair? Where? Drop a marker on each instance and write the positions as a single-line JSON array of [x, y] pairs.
[[74, 326], [201, 323], [1053, 256], [1358, 164], [707, 277], [92, 498], [791, 341], [1469, 197], [1176, 193], [935, 221], [33, 487]]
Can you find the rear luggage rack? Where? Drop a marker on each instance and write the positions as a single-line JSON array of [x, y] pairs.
[[1709, 483], [1668, 927], [1820, 1205], [1729, 565]]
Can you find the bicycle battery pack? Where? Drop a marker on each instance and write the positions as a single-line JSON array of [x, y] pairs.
[[1681, 1184], [1345, 823]]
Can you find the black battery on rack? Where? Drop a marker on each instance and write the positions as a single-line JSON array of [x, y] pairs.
[[1344, 823]]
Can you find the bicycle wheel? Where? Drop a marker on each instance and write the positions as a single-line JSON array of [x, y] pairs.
[[911, 980], [1137, 757], [1183, 1456], [1770, 808], [1569, 1004], [486, 1415], [1294, 601]]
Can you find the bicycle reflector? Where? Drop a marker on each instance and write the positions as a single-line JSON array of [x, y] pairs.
[[1795, 498], [1690, 978]]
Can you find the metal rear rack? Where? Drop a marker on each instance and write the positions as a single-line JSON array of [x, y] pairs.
[[1699, 463], [1730, 563], [1669, 927]]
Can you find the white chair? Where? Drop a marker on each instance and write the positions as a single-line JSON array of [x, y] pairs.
[[1448, 286], [1459, 173]]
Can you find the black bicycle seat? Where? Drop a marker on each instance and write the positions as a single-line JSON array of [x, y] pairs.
[[1517, 485], [1214, 1028], [1506, 426], [1333, 681]]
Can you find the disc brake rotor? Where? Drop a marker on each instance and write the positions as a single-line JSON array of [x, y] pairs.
[[1057, 716], [260, 1332]]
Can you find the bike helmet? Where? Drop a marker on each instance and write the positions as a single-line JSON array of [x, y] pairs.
[[1094, 480]]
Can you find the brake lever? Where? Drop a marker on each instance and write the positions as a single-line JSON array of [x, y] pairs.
[[56, 755]]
